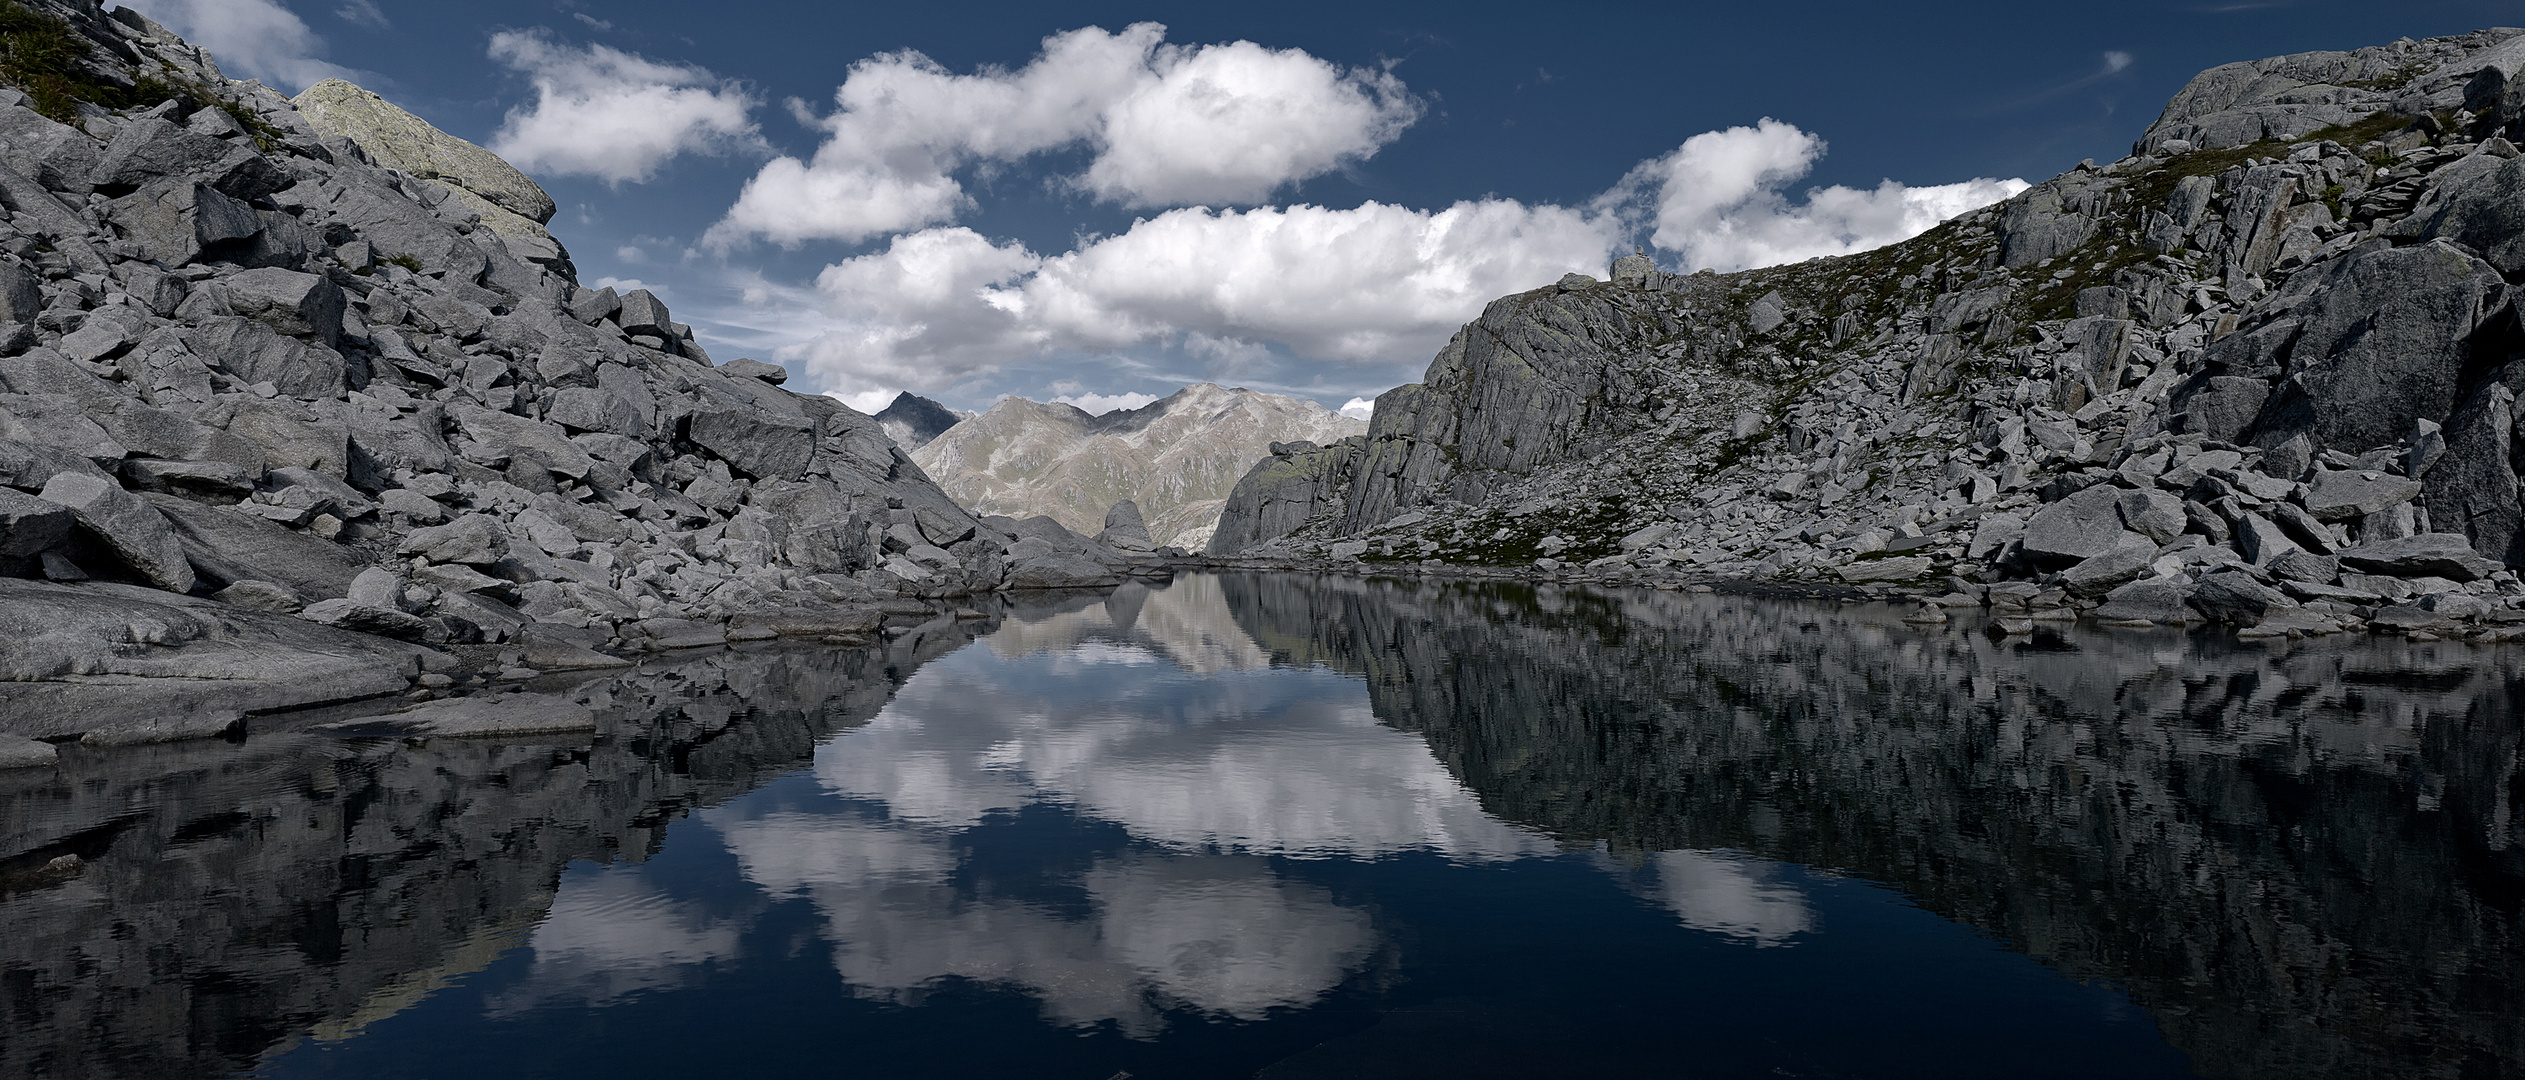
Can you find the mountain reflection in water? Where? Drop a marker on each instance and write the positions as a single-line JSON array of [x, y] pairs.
[[1295, 827]]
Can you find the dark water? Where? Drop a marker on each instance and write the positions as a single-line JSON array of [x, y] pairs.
[[1281, 827]]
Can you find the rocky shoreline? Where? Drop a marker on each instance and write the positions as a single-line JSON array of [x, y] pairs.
[[2261, 373], [300, 404]]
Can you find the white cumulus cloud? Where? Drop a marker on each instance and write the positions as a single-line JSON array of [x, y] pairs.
[[1374, 283], [612, 115], [1359, 408], [1166, 124], [256, 39], [1719, 201]]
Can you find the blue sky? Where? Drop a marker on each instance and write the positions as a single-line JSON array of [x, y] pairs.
[[1103, 201]]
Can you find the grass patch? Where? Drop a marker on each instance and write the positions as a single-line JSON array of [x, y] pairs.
[[42, 57], [405, 261]]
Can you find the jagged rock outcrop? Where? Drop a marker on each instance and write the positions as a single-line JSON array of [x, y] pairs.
[[912, 420], [510, 203], [1176, 459], [262, 361], [2301, 283]]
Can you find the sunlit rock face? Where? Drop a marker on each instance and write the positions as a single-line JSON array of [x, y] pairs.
[[2294, 855], [1177, 457]]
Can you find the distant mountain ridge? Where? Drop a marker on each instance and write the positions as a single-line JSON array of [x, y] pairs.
[[912, 420], [1177, 457]]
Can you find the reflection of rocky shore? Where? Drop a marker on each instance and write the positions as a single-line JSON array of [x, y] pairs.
[[185, 909], [2304, 859]]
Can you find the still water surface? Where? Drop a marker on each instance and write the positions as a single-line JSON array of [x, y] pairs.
[[1282, 827]]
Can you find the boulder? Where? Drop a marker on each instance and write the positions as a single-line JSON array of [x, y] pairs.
[[2156, 600], [2075, 529], [1125, 529], [641, 312], [59, 422], [2157, 515], [474, 540], [253, 352], [126, 524], [2235, 598], [762, 445], [2344, 495], [228, 546], [30, 526], [346, 614], [2386, 334], [2446, 555], [2125, 561], [150, 148], [299, 305]]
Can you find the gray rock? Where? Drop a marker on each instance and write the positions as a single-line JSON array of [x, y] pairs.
[[299, 305], [2154, 601], [30, 526], [641, 312], [2485, 212], [226, 546], [2342, 494], [2154, 514], [17, 752], [2473, 486], [2306, 566], [549, 650], [252, 352], [377, 587], [587, 409], [2225, 408], [762, 445], [20, 299], [2125, 561], [742, 368], [351, 615], [2446, 555], [59, 422], [260, 596], [1766, 314], [149, 148], [2075, 529], [2387, 334], [1901, 568], [2262, 541], [474, 540], [1125, 529], [125, 523], [2235, 599]]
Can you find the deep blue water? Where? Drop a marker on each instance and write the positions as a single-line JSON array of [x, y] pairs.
[[1245, 827]]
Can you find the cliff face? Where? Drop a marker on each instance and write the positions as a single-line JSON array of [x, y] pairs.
[[2290, 886], [262, 357], [1176, 458], [2283, 327]]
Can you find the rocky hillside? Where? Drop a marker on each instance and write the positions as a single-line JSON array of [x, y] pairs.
[[912, 420], [2261, 371], [294, 399], [1176, 458]]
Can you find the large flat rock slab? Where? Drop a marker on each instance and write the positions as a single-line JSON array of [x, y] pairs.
[[125, 662]]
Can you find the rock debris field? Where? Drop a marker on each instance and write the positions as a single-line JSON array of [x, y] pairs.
[[2263, 372], [301, 403]]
